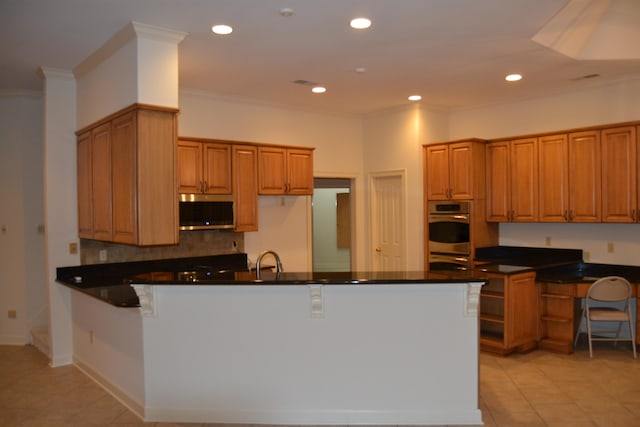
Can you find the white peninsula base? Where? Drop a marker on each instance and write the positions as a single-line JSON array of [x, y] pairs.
[[288, 354]]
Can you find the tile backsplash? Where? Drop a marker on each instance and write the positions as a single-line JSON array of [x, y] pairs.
[[192, 243]]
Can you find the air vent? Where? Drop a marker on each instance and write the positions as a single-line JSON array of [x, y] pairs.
[[304, 83], [585, 77]]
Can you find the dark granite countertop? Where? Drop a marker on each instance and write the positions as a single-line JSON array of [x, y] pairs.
[[582, 272], [112, 282]]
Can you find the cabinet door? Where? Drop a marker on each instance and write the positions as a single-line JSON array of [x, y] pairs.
[[553, 178], [619, 174], [85, 212], [272, 178], [101, 181], [584, 177], [245, 179], [156, 174], [189, 167], [436, 165], [521, 311], [123, 167], [216, 168], [524, 180], [461, 171], [300, 171], [498, 191]]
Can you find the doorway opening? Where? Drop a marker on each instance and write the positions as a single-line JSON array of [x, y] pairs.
[[332, 217]]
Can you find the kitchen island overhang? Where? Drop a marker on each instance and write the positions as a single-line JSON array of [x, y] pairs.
[[402, 352]]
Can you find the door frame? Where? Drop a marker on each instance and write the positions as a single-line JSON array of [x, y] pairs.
[[357, 228], [372, 176]]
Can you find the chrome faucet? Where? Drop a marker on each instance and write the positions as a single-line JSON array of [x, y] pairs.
[[275, 255]]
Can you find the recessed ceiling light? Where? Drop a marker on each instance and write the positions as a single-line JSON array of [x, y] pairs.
[[319, 89], [513, 77], [414, 98], [360, 70], [286, 12], [222, 29], [360, 23]]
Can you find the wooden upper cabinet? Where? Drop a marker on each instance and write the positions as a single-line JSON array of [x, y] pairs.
[[204, 167], [245, 179], [216, 168], [454, 170], [498, 182], [189, 167], [585, 177], [437, 172], [569, 177], [512, 181], [85, 206], [619, 174], [283, 171], [131, 196], [524, 180], [101, 182], [124, 190], [553, 178]]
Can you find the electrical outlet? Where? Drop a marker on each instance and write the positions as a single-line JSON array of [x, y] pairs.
[[11, 314], [547, 240], [103, 255], [586, 256], [73, 248], [611, 247]]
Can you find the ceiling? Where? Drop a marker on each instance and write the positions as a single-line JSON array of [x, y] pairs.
[[455, 53]]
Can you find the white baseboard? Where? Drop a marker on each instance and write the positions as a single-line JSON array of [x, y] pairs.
[[446, 416], [123, 397], [14, 340]]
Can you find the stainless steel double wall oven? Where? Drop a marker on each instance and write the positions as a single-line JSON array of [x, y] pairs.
[[449, 234]]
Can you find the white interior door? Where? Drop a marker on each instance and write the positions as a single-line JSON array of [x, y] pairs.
[[388, 235]]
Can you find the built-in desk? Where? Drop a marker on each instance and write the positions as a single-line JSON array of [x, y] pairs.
[[560, 310]]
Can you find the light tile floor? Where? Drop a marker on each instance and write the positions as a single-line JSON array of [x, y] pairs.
[[534, 389]]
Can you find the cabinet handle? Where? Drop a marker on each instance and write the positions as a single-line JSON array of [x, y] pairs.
[[565, 216], [633, 215], [205, 188], [570, 215]]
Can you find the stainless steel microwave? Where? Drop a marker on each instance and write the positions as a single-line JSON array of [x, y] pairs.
[[206, 211]]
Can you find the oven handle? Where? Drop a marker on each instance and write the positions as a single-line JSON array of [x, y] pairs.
[[449, 218]]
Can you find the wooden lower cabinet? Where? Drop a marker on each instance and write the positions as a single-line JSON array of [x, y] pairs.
[[508, 313], [559, 316]]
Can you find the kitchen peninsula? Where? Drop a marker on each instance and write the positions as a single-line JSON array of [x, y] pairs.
[[213, 345]]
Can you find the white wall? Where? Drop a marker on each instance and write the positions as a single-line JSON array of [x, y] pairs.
[[601, 105], [393, 141], [22, 278], [255, 354], [61, 203], [338, 153]]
